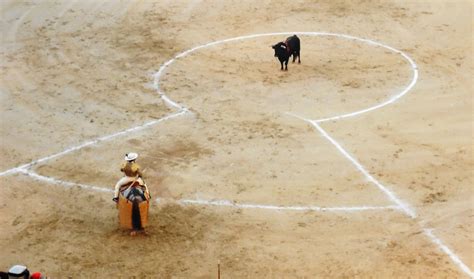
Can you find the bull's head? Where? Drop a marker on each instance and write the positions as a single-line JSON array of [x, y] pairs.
[[280, 45]]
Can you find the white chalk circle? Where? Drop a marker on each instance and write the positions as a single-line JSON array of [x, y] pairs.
[[393, 98], [183, 110]]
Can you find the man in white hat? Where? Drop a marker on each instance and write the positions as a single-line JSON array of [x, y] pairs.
[[132, 173]]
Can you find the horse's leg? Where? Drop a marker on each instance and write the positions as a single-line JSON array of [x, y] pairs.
[[136, 218], [294, 57]]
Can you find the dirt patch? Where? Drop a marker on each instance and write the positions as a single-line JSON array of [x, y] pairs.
[[76, 71]]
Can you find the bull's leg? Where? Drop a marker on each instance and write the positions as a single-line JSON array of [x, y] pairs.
[[286, 64], [299, 56], [281, 62], [294, 57]]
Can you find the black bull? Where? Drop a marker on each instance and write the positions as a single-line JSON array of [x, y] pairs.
[[283, 50]]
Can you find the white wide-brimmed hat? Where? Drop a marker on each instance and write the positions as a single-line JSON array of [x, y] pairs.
[[131, 156]]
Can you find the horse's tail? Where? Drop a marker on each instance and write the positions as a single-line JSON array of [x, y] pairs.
[[136, 218]]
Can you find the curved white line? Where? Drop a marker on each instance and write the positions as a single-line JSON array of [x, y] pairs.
[[14, 30], [182, 109], [315, 122], [387, 102], [412, 83]]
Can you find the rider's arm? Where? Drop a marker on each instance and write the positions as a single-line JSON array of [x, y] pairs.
[[136, 169]]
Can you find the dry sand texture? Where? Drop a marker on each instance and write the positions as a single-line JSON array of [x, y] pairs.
[[76, 71]]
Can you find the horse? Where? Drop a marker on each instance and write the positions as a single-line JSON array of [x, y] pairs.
[[134, 202]]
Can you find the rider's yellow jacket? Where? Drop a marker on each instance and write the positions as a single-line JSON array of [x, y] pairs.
[[131, 169]]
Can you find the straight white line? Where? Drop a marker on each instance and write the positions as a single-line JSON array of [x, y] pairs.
[[92, 142], [384, 189], [427, 232], [52, 180], [228, 203], [392, 196], [291, 208], [401, 205], [445, 249]]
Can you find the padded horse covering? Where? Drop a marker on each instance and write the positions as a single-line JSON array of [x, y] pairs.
[[125, 213]]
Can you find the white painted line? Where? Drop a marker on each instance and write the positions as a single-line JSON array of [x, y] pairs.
[[183, 110], [445, 249], [290, 208], [11, 36], [299, 117], [412, 83], [55, 181], [410, 212], [392, 99], [227, 203], [401, 205], [92, 142]]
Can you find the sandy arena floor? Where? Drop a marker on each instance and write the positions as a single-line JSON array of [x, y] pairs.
[[241, 173]]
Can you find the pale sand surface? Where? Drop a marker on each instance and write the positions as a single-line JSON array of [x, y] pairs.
[[73, 71]]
